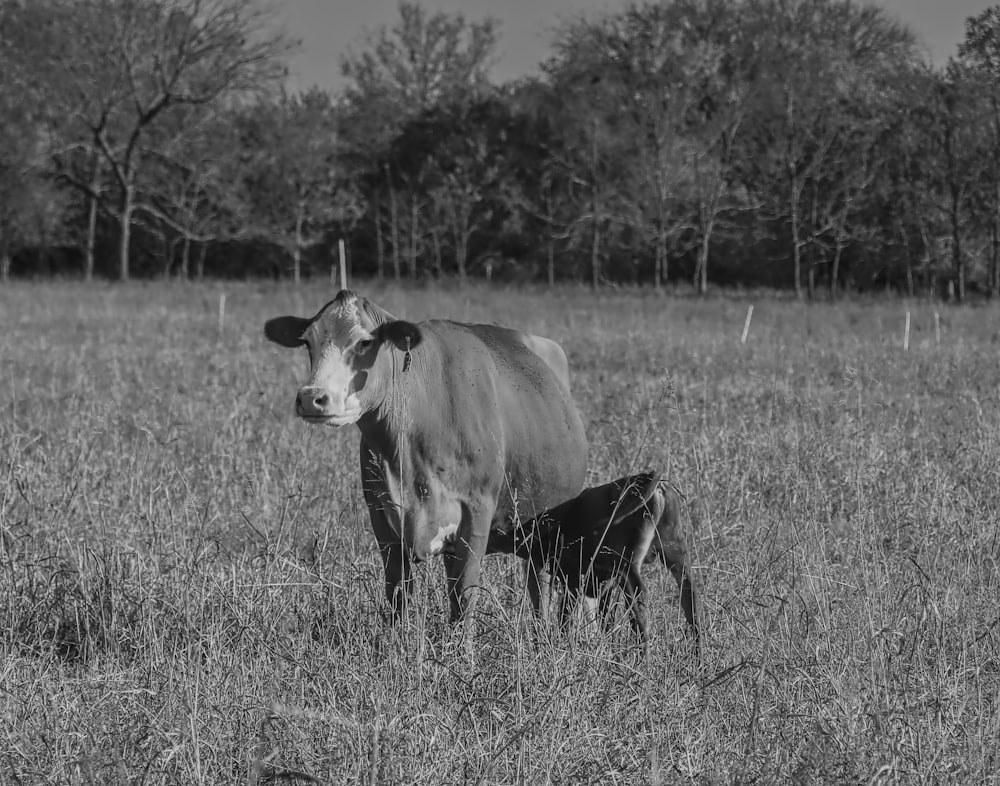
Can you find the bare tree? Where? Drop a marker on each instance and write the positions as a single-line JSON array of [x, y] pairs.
[[189, 187], [113, 69], [425, 60], [818, 54], [291, 181]]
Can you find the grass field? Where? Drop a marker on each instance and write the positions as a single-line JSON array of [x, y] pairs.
[[190, 593]]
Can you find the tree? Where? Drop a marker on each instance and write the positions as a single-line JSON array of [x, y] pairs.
[[948, 118], [111, 70], [640, 62], [31, 207], [293, 191], [425, 60], [799, 134], [667, 84], [978, 64], [189, 184], [454, 161], [539, 190], [587, 151]]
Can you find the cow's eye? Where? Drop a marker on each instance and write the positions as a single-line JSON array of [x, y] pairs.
[[364, 345]]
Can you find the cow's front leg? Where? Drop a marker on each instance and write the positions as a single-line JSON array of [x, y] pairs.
[[464, 563], [395, 562], [398, 580], [395, 558]]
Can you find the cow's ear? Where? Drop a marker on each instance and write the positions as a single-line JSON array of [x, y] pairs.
[[403, 335], [286, 331]]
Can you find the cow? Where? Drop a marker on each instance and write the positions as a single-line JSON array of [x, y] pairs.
[[602, 537], [465, 429]]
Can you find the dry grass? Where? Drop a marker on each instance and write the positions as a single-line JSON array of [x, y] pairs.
[[189, 592]]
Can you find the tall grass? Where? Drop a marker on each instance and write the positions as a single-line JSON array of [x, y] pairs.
[[189, 591]]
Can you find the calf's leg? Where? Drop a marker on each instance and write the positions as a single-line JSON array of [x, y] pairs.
[[635, 597], [673, 558]]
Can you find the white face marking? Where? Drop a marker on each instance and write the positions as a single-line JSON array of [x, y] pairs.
[[328, 397], [332, 374]]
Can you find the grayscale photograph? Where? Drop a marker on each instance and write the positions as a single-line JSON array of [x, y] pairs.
[[472, 392]]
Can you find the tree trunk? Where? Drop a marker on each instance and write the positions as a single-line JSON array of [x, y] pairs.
[[595, 252], [595, 249], [927, 259], [393, 227], [297, 251], [125, 233], [459, 220], [551, 260], [200, 264], [814, 223], [994, 275], [794, 192], [4, 266], [88, 260], [550, 249], [168, 256], [438, 261], [414, 223], [661, 258], [956, 247], [993, 285], [185, 257], [701, 268], [793, 212], [379, 240], [905, 240], [461, 252]]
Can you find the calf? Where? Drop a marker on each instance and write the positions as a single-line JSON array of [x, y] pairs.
[[603, 536]]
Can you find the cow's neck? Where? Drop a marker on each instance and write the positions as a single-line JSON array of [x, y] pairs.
[[391, 427]]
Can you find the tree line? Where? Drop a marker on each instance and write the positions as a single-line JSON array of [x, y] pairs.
[[807, 144]]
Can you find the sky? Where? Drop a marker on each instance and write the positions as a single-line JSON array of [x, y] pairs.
[[328, 28]]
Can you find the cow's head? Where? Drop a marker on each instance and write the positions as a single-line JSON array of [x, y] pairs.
[[351, 344]]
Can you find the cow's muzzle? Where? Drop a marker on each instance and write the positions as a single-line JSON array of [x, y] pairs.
[[312, 402], [317, 405]]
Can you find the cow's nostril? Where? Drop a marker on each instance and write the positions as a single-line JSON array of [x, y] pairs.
[[320, 402]]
